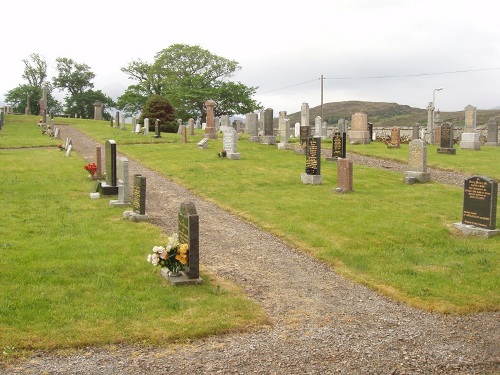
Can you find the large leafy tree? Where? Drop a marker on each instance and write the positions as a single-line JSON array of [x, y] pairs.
[[76, 80], [35, 73], [187, 76]]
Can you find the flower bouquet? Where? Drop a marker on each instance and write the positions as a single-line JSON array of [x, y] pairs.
[[222, 154], [61, 147], [173, 256], [91, 168]]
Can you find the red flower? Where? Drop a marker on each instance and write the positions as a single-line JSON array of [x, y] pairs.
[[91, 168]]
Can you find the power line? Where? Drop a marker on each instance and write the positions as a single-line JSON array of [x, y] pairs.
[[415, 75], [381, 77]]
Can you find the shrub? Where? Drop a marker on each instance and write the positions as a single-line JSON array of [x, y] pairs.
[[158, 107]]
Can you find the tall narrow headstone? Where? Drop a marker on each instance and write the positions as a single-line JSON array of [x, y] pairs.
[[117, 119], [317, 126], [110, 186], [313, 162], [417, 162], [470, 138], [395, 137], [97, 111], [297, 130], [210, 127], [251, 127], [146, 126], [415, 131], [183, 130], [189, 233], [268, 137], [191, 126], [123, 184], [139, 197], [446, 139], [344, 176], [492, 133], [157, 129], [284, 128], [98, 163]]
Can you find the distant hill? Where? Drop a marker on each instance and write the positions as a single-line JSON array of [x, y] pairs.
[[382, 114]]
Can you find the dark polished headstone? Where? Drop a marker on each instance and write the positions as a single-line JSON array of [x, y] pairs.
[[480, 202], [189, 232], [139, 195], [313, 156]]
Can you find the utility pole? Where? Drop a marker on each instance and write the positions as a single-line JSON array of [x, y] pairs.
[[322, 98]]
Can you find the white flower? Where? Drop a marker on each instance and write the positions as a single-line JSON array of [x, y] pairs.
[[155, 259], [158, 249]]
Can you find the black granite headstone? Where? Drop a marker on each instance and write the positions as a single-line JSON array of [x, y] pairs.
[[480, 202], [339, 145], [446, 139], [110, 155], [370, 130], [189, 233], [313, 156], [139, 195]]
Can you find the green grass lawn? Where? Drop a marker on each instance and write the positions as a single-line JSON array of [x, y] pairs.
[[395, 238], [74, 273]]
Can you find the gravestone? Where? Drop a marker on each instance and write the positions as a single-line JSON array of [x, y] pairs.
[[369, 126], [57, 133], [395, 141], [98, 163], [417, 162], [344, 177], [304, 114], [146, 126], [124, 127], [317, 126], [111, 122], [470, 138], [492, 133], [117, 119], [313, 162], [225, 122], [110, 186], [284, 129], [68, 150], [446, 140], [415, 132], [251, 127], [183, 131], [480, 207], [268, 138], [97, 111], [157, 129], [437, 135], [297, 130], [191, 126], [189, 233], [230, 143], [138, 212], [339, 141], [210, 127], [359, 133], [123, 188], [203, 143]]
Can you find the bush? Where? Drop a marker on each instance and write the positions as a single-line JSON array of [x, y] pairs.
[[158, 107]]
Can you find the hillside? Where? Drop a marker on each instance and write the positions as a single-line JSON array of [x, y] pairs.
[[388, 114]]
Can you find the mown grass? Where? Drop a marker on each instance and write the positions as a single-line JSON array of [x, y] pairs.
[[74, 273], [397, 239]]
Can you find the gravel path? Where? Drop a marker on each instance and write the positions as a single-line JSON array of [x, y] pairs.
[[322, 323]]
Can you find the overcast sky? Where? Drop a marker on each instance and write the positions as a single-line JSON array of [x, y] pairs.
[[369, 50]]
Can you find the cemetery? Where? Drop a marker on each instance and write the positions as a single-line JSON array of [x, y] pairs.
[[400, 229]]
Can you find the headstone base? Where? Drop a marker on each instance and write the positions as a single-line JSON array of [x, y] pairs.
[[254, 138], [339, 190], [134, 216], [334, 159], [203, 143], [233, 155], [118, 203], [491, 144], [268, 140], [284, 146], [472, 230], [361, 137], [182, 279], [311, 179], [466, 145], [95, 195], [421, 177], [105, 189], [410, 180], [446, 150]]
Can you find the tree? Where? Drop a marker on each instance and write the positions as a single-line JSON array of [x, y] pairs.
[[157, 107], [35, 73], [187, 76], [76, 79]]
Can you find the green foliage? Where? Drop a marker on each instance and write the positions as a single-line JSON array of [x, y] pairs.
[[188, 76], [159, 108]]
